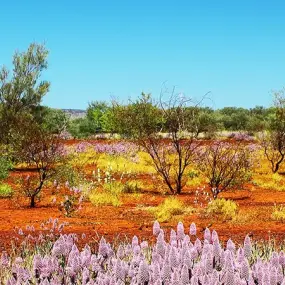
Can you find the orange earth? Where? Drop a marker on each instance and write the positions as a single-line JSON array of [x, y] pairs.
[[129, 219]]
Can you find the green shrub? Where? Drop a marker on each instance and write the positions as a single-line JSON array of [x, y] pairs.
[[5, 191], [169, 208], [5, 166], [226, 208], [278, 213]]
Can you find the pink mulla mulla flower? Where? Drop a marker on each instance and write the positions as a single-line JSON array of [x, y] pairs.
[[135, 261], [18, 260], [193, 229], [180, 231], [244, 270], [175, 280], [282, 258], [160, 245], [156, 228], [136, 249], [184, 275], [194, 253], [166, 272], [4, 260], [118, 270], [85, 275], [103, 249], [265, 277], [215, 236], [209, 263], [158, 282], [247, 247], [144, 244], [173, 236], [229, 278], [194, 280], [207, 235], [187, 261], [186, 239], [216, 250], [155, 257], [198, 245], [11, 281], [135, 241], [274, 260], [37, 263], [273, 276], [231, 246], [128, 249], [155, 275], [206, 279], [143, 273], [120, 252], [173, 258]]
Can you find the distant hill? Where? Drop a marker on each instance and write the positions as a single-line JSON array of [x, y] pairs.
[[75, 113]]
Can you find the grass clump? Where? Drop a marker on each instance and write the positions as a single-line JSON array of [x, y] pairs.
[[226, 209], [133, 186], [270, 181], [5, 191], [110, 195], [169, 208], [104, 199], [278, 213]]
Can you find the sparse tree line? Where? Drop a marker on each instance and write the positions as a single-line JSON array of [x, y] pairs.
[[101, 118], [32, 134]]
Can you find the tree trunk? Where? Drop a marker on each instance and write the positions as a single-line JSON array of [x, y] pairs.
[[33, 202]]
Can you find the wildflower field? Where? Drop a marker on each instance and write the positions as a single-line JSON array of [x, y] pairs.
[[119, 194]]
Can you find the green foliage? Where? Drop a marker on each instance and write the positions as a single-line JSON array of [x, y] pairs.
[[54, 121], [66, 172], [169, 208], [6, 191], [95, 115], [278, 213], [80, 128], [21, 91], [5, 166], [226, 209]]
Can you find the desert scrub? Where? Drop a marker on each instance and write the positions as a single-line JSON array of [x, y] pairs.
[[226, 209], [270, 181], [110, 195], [5, 191], [278, 213], [133, 186], [169, 208]]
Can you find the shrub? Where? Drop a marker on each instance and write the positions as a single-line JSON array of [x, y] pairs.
[[222, 207], [5, 191], [104, 198], [5, 166], [169, 208], [278, 213], [225, 165], [132, 186]]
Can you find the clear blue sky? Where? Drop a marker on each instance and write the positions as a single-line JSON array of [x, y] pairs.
[[99, 49]]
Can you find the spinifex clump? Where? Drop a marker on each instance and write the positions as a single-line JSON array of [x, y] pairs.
[[181, 259]]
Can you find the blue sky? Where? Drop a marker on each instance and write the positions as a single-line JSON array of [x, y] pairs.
[[103, 49]]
